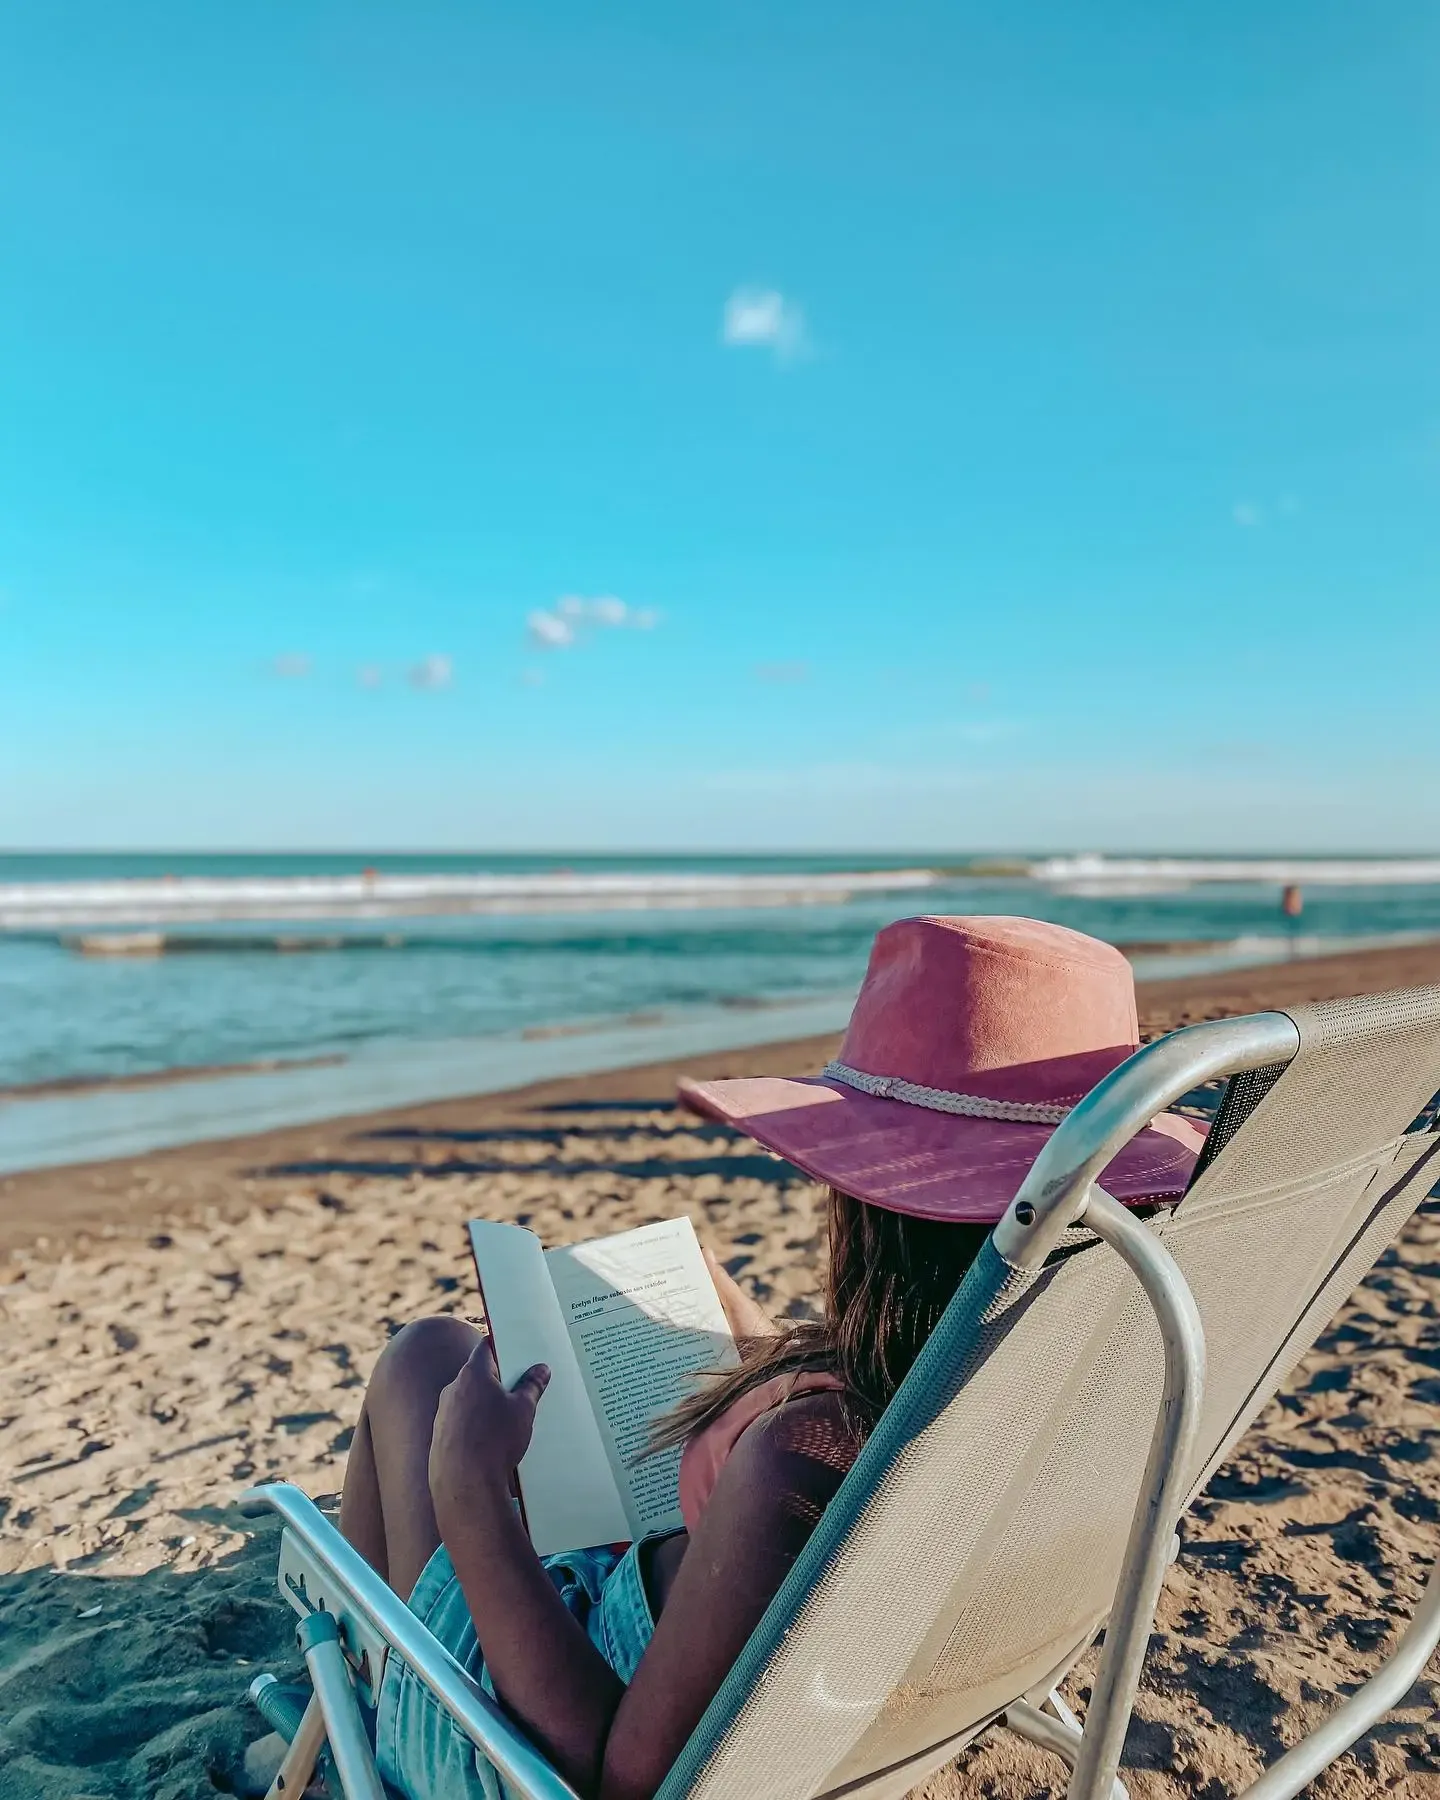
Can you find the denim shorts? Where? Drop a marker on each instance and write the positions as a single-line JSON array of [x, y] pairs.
[[418, 1748]]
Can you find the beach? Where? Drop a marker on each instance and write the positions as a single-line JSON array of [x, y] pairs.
[[177, 1326]]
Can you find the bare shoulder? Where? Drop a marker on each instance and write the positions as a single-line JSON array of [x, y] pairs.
[[801, 1451], [776, 1482]]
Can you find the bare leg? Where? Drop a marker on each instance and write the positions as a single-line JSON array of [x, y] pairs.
[[385, 1509]]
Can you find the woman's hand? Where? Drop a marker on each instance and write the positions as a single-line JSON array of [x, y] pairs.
[[481, 1432], [747, 1318], [544, 1667]]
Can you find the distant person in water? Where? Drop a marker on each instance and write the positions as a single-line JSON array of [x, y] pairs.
[[1292, 905], [970, 1039]]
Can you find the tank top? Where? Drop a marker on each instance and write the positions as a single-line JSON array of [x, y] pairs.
[[706, 1454]]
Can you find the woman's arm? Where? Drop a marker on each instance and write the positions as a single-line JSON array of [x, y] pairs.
[[775, 1484], [604, 1738], [544, 1667]]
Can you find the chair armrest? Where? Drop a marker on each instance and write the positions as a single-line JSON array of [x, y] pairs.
[[472, 1709], [1386, 1688], [1053, 1193]]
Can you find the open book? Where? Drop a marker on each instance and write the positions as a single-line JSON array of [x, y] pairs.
[[626, 1324]]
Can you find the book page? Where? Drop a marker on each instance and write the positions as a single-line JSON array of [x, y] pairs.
[[646, 1322], [567, 1486]]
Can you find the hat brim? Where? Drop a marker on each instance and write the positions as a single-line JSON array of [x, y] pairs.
[[931, 1165]]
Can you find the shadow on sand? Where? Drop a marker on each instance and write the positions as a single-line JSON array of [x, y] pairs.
[[732, 1168], [133, 1687]]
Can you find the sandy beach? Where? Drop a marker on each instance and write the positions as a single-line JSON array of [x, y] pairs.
[[177, 1326]]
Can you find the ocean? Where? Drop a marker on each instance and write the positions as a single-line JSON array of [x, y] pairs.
[[596, 962]]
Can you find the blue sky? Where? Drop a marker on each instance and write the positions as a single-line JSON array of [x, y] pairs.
[[998, 427]]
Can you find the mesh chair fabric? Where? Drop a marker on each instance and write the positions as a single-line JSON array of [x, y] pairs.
[[1292, 1215], [1241, 1096]]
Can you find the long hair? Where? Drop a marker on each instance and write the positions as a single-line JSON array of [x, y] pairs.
[[888, 1280]]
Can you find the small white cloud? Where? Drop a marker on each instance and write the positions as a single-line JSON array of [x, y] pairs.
[[762, 318], [291, 667], [431, 672], [369, 675], [782, 674], [550, 631], [574, 616], [1246, 513]]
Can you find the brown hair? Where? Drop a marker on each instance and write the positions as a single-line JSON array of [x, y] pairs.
[[889, 1279]]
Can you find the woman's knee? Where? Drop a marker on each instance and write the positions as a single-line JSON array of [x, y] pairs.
[[427, 1353]]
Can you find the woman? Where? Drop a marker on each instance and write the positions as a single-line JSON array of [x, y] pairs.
[[970, 1040]]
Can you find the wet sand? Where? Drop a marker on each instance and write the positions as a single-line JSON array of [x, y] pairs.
[[72, 1085], [176, 1326]]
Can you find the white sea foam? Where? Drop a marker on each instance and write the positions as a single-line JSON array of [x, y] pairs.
[[1113, 875], [201, 899]]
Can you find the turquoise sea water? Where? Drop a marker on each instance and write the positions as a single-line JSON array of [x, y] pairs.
[[452, 979]]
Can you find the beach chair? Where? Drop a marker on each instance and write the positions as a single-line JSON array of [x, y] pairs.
[[1022, 1491]]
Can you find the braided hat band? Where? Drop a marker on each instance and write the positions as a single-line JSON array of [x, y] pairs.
[[970, 1106], [1031, 1013]]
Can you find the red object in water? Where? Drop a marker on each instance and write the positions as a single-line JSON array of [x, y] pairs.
[[1292, 901]]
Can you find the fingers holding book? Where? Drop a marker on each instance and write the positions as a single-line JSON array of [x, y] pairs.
[[746, 1317], [628, 1323], [482, 1430]]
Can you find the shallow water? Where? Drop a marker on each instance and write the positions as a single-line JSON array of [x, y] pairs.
[[441, 980]]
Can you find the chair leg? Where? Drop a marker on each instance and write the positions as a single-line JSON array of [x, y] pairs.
[[1060, 1735], [349, 1747], [293, 1775], [1057, 1703]]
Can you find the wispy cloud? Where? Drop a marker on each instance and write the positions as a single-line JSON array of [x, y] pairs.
[[764, 319], [431, 672], [293, 666], [574, 617], [987, 731], [846, 779], [782, 674], [1250, 513], [370, 675], [937, 733]]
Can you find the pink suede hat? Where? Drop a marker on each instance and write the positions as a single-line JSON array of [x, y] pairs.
[[970, 1041]]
